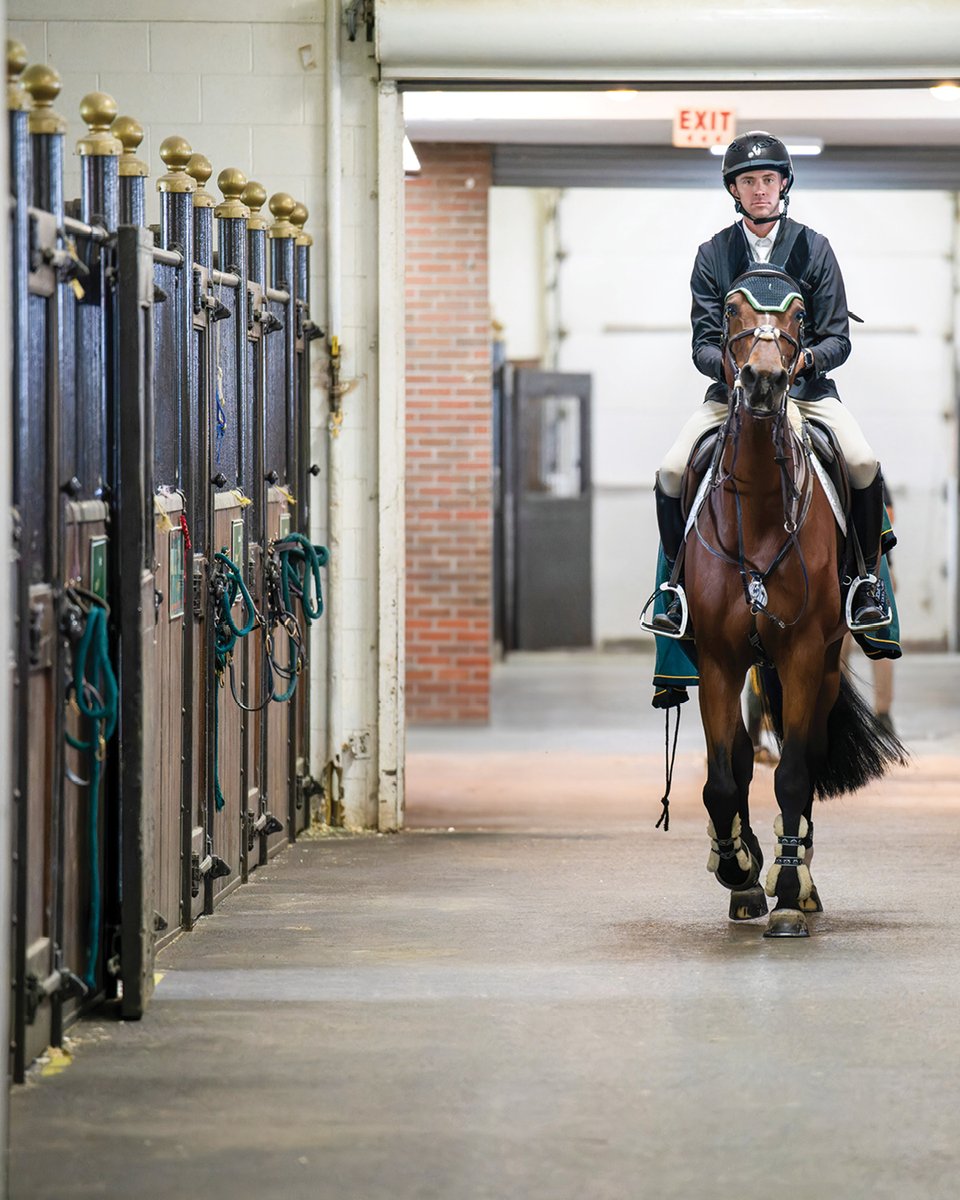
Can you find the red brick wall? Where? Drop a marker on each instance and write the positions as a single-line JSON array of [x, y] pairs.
[[449, 437]]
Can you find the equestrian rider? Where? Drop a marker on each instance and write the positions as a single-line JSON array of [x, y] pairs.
[[758, 173]]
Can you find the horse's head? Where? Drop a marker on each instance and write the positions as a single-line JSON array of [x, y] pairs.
[[763, 332]]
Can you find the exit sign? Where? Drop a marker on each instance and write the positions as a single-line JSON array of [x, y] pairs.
[[699, 127]]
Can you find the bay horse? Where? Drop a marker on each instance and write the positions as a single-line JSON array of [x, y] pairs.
[[763, 585]]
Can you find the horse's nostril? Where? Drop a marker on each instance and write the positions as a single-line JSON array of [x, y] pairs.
[[747, 373]]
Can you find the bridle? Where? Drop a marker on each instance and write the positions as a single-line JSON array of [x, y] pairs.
[[796, 478], [761, 333]]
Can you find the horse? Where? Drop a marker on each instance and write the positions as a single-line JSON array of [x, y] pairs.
[[763, 585]]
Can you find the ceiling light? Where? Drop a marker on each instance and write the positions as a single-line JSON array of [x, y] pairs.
[[807, 146], [946, 91]]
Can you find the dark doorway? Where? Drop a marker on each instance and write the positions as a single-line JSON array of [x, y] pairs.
[[544, 576]]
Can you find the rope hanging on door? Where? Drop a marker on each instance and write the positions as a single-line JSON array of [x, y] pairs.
[[94, 694], [226, 585]]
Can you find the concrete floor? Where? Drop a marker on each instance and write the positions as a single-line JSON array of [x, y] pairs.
[[534, 994]]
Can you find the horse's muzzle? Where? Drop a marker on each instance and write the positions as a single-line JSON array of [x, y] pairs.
[[763, 391]]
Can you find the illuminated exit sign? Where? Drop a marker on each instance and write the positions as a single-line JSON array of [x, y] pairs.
[[704, 126]]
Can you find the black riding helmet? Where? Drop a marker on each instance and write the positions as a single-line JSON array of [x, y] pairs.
[[753, 150]]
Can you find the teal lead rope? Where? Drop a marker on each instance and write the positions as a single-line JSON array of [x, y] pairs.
[[300, 563], [299, 569], [227, 585], [95, 692]]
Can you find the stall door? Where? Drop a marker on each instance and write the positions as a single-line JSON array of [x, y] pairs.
[[552, 544]]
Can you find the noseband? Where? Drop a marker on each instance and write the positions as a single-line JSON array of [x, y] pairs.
[[763, 333]]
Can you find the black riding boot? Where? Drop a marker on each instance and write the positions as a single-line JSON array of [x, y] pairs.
[[868, 514], [672, 525]]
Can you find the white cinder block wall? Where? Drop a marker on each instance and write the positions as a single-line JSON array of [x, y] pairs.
[[623, 301], [247, 90]]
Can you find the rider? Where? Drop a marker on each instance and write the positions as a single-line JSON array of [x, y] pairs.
[[758, 174]]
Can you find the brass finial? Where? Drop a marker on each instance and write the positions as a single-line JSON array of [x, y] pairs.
[[231, 183], [254, 196], [199, 168], [298, 218], [16, 61], [175, 152], [282, 205], [97, 111], [43, 84], [130, 133]]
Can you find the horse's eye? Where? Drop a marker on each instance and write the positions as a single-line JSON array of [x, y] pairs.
[[731, 310]]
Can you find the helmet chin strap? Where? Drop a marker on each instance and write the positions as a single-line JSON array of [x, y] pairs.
[[785, 204]]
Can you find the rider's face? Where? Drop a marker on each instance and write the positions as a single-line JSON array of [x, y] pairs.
[[759, 192]]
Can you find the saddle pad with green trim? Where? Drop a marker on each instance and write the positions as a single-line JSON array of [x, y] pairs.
[[676, 669]]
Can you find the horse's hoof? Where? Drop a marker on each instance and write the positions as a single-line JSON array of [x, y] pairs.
[[786, 923], [812, 903], [748, 904]]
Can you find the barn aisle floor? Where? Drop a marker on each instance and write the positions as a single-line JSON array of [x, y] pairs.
[[533, 993]]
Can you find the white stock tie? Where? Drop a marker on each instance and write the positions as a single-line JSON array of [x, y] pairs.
[[763, 246]]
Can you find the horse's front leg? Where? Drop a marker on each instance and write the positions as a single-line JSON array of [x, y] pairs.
[[735, 857], [804, 732]]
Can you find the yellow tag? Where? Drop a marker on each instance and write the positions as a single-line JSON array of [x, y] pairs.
[[286, 495], [241, 499], [164, 524], [77, 288]]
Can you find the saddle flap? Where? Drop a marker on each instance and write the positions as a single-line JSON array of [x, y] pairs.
[[825, 446], [700, 458]]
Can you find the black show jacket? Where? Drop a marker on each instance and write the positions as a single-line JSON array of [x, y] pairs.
[[812, 264]]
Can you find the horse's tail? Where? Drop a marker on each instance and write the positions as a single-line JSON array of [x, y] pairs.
[[859, 746]]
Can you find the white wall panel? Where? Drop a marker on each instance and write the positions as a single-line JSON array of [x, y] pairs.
[[516, 269]]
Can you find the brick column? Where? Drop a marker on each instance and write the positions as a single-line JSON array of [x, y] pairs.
[[449, 437]]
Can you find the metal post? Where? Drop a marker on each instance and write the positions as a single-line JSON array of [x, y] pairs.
[[176, 190], [16, 286], [283, 234], [47, 131], [132, 171], [99, 153], [254, 196], [199, 169]]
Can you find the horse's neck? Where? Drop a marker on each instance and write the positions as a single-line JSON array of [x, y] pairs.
[[750, 456]]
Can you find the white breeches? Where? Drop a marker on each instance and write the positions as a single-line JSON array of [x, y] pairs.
[[861, 461]]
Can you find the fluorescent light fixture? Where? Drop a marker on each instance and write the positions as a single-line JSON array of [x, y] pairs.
[[946, 91], [795, 149], [411, 164]]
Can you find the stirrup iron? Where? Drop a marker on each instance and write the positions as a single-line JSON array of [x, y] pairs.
[[681, 596], [854, 587]]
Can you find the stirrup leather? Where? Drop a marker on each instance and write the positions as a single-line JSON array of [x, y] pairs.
[[646, 624], [854, 587]]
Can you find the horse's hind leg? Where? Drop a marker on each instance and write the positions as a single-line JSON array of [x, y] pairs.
[[732, 857]]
